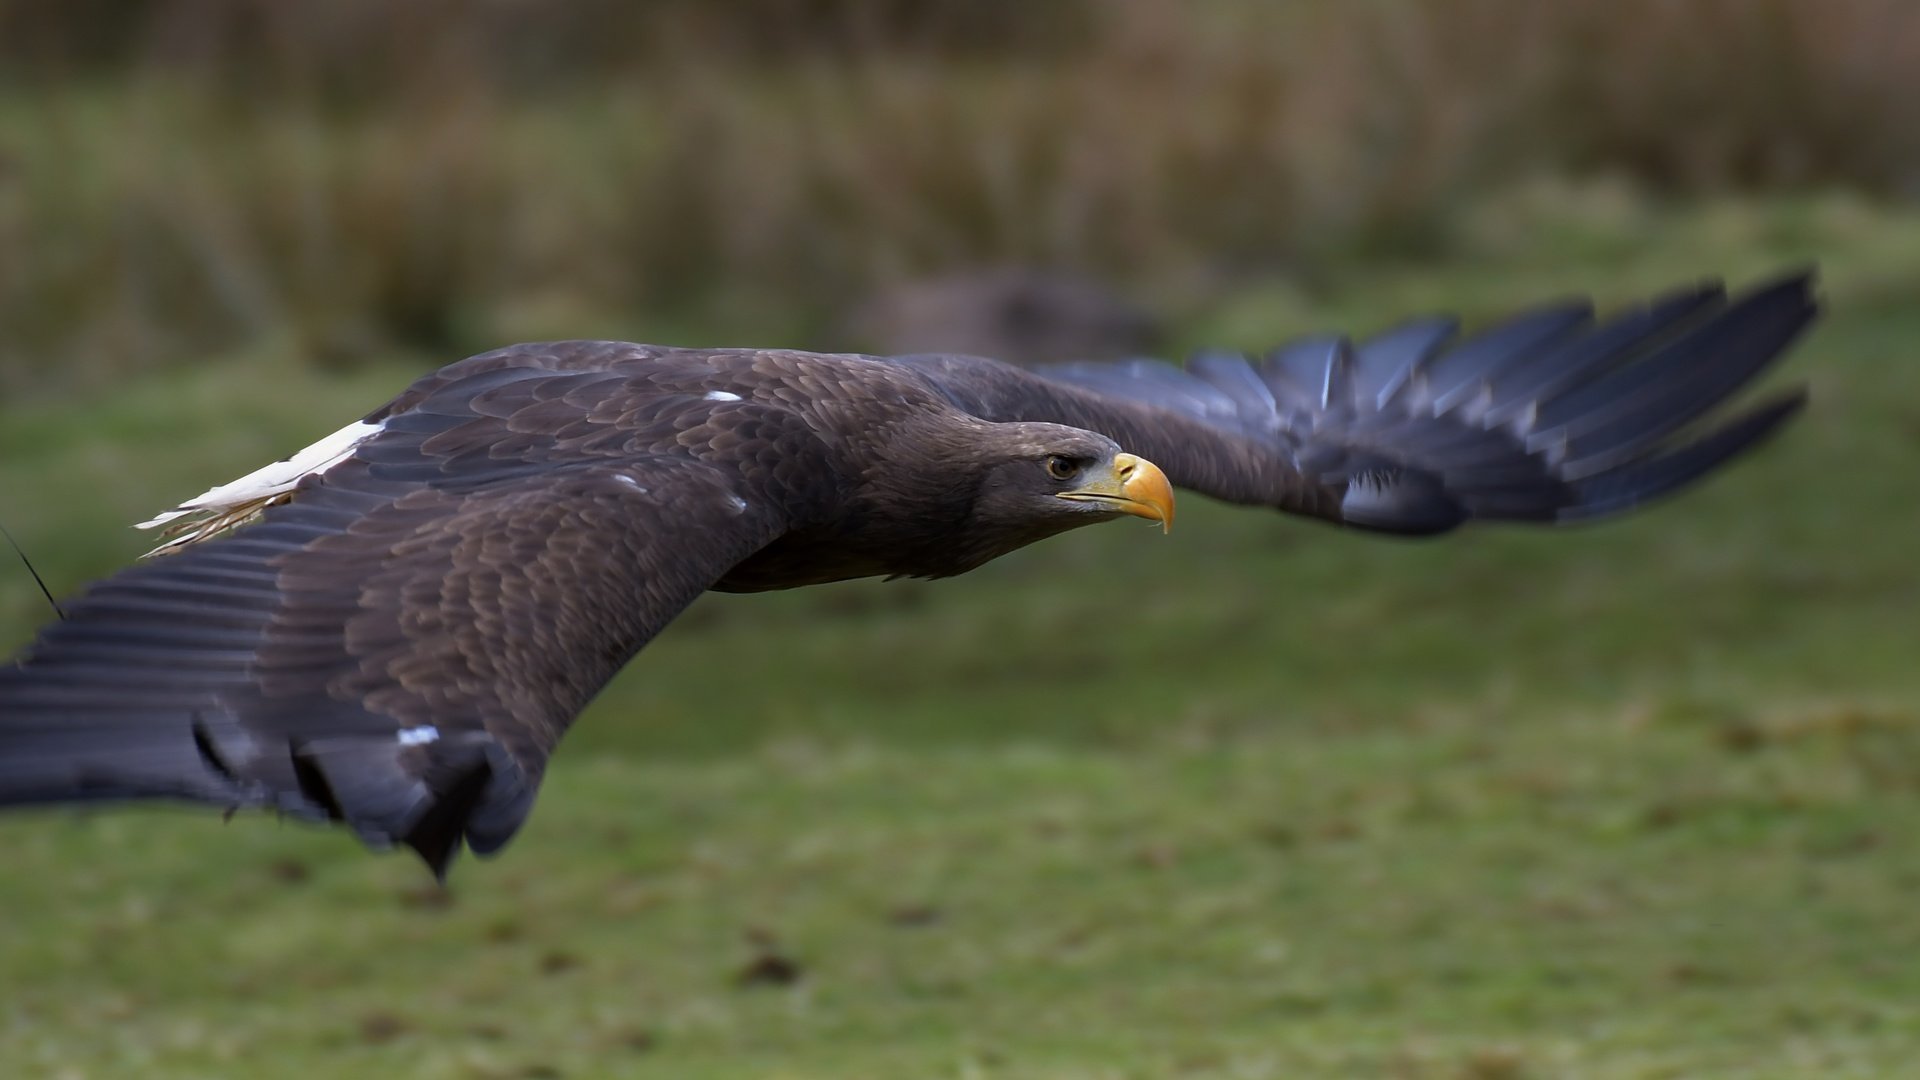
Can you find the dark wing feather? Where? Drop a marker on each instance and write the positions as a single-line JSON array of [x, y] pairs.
[[1546, 417], [402, 645]]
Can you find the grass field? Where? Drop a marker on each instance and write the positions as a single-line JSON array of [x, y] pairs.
[[1256, 800]]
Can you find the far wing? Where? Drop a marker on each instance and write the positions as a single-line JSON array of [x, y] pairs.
[[1548, 417]]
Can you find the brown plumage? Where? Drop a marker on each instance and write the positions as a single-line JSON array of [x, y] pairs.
[[404, 636]]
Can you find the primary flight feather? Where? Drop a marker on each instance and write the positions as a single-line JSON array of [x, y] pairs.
[[394, 627]]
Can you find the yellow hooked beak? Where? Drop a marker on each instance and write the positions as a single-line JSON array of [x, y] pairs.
[[1133, 486]]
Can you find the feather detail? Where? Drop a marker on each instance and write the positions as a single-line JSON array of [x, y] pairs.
[[234, 504]]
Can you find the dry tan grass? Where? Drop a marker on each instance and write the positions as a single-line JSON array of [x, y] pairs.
[[362, 174]]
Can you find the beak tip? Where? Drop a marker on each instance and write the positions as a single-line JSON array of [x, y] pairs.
[[1149, 489]]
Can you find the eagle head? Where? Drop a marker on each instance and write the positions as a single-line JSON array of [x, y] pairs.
[[1038, 480]]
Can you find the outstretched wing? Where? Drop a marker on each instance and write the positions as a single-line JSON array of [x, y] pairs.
[[401, 645], [1548, 417]]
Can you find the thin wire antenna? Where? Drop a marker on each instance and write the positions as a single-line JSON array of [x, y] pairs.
[[28, 563]]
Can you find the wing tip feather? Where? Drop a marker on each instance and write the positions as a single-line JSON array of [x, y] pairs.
[[1631, 486]]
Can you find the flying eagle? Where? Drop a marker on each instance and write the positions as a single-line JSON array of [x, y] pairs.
[[394, 627]]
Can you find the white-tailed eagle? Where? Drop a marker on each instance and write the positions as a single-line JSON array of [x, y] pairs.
[[394, 627]]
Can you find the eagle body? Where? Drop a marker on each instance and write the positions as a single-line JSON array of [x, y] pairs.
[[394, 627]]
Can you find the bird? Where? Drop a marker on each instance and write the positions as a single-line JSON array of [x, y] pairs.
[[393, 628]]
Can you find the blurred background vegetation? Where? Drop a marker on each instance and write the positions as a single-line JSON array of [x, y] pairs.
[[1636, 800], [183, 177]]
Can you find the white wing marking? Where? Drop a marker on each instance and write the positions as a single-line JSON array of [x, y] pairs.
[[232, 504]]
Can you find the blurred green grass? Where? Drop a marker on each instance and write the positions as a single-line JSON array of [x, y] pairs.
[[1255, 800]]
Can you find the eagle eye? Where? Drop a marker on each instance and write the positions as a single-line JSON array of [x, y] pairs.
[[1062, 468]]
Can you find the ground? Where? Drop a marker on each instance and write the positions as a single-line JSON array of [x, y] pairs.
[[1258, 799]]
